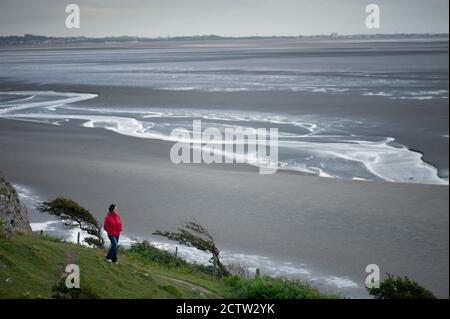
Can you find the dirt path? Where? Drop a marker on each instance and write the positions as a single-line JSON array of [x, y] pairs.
[[69, 258], [202, 290]]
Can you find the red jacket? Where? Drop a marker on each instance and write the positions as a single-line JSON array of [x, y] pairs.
[[112, 224]]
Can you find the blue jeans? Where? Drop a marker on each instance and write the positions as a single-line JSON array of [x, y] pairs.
[[112, 253]]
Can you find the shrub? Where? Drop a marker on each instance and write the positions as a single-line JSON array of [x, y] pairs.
[[272, 288], [239, 269], [60, 291], [149, 252], [400, 288], [233, 281]]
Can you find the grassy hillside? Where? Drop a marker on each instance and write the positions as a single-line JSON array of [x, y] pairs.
[[31, 265]]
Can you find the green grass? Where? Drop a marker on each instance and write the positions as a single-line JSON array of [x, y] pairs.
[[31, 265]]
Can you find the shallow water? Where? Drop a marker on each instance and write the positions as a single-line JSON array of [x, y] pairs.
[[394, 69]]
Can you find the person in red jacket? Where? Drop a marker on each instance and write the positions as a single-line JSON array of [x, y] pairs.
[[113, 226]]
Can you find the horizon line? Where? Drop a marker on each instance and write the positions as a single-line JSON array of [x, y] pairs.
[[332, 34]]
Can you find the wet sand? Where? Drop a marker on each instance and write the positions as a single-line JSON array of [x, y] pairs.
[[333, 227]]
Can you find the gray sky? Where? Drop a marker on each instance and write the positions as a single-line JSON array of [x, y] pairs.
[[152, 18]]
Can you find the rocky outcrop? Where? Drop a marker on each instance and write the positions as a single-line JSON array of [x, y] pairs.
[[13, 215]]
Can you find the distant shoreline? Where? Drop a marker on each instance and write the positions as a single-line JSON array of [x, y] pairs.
[[31, 39]]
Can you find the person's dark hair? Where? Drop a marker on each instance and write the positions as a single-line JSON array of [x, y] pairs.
[[111, 208]]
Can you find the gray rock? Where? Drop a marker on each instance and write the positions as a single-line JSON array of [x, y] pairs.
[[13, 215]]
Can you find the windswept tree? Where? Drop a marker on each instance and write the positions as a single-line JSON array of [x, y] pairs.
[[75, 216], [192, 234]]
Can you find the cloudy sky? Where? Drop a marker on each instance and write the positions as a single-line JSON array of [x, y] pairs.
[[152, 18]]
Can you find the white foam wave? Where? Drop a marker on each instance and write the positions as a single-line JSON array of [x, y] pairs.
[[378, 94], [390, 163], [381, 158], [50, 225], [410, 95], [340, 282], [57, 98]]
